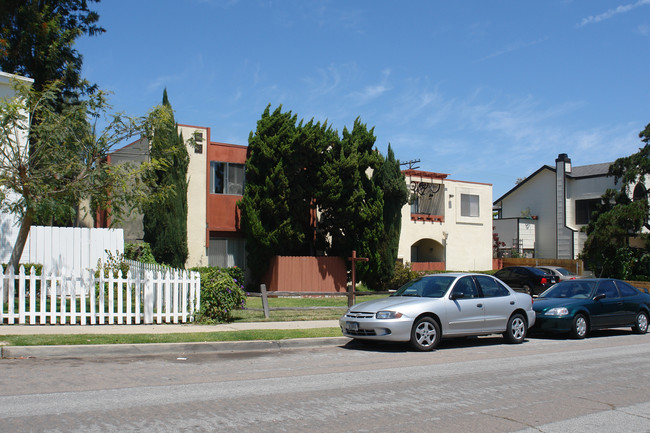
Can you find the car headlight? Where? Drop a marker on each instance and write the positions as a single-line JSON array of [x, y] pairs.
[[388, 315], [559, 311]]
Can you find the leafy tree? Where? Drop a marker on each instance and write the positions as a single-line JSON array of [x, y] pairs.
[[607, 250], [37, 40], [165, 221], [65, 157]]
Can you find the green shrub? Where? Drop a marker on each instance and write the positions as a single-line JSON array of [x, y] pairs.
[[114, 263], [140, 252], [28, 266], [403, 274], [220, 295]]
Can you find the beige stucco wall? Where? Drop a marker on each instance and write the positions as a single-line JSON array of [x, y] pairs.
[[196, 198], [466, 241]]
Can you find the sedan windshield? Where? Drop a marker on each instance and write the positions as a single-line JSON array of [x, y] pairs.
[[570, 289], [426, 287]]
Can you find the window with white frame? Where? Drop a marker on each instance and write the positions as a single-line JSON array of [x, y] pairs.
[[469, 205], [226, 178]]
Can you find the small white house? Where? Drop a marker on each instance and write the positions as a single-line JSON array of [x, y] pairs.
[[447, 224], [561, 198]]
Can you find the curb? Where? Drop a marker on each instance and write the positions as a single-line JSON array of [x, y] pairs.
[[158, 349]]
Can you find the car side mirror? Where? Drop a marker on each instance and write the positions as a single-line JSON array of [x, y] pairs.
[[599, 297], [455, 296]]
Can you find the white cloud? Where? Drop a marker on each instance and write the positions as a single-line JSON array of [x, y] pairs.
[[513, 47], [612, 12], [372, 92]]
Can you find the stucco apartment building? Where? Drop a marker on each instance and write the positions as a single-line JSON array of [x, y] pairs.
[[447, 226], [215, 184]]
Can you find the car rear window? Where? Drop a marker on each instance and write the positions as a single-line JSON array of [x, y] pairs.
[[537, 271]]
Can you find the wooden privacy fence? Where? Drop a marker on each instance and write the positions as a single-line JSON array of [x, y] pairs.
[[575, 266], [72, 248], [163, 297], [264, 294]]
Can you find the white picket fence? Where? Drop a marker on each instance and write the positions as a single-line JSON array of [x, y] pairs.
[[162, 297]]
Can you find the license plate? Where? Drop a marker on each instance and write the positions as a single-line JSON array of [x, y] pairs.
[[352, 326]]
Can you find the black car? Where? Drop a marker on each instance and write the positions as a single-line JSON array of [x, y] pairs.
[[528, 279]]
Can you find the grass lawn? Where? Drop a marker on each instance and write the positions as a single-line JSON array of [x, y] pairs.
[[317, 312]]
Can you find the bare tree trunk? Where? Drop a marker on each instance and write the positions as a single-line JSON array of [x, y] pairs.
[[19, 246]]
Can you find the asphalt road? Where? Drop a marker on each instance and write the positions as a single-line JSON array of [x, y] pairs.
[[478, 384]]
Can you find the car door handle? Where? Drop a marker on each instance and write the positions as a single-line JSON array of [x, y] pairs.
[[479, 305], [512, 302]]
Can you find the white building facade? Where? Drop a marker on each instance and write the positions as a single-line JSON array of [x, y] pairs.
[[447, 224], [561, 199]]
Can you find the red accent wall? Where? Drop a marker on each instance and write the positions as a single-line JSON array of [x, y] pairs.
[[222, 212], [428, 266], [306, 274]]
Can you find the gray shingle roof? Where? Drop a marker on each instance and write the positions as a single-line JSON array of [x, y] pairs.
[[590, 170]]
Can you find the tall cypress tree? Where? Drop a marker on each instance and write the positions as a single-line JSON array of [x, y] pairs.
[[165, 222], [278, 207], [390, 179], [350, 201]]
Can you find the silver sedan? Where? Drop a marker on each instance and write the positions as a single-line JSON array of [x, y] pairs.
[[443, 305]]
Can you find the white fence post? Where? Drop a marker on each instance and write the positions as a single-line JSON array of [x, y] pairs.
[[21, 295], [148, 297]]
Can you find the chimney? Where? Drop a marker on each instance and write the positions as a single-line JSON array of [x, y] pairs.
[[564, 235], [563, 161]]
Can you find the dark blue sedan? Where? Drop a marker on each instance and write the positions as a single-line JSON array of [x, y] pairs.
[[579, 306]]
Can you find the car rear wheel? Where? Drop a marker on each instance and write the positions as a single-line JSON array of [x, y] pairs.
[[425, 334], [641, 323], [516, 330], [580, 326]]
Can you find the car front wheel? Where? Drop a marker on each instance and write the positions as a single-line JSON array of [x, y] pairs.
[[425, 334], [641, 323], [516, 330], [580, 326]]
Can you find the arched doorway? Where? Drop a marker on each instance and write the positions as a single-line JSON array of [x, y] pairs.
[[427, 255]]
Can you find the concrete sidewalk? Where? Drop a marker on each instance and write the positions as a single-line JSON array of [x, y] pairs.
[[178, 350]]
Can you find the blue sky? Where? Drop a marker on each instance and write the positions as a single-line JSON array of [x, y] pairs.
[[486, 91]]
